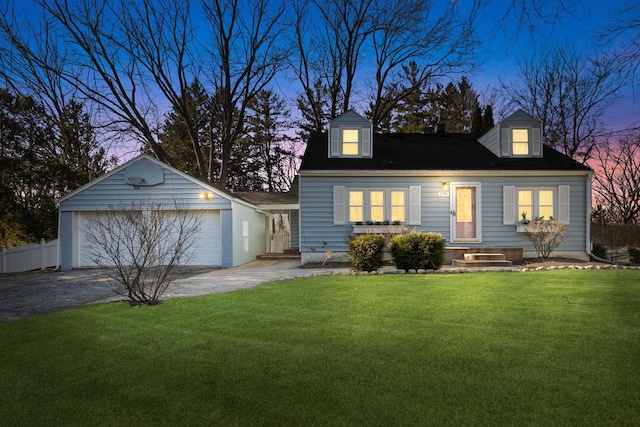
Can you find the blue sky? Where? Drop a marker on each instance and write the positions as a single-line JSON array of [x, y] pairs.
[[506, 41]]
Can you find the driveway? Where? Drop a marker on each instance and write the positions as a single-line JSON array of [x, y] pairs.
[[41, 292]]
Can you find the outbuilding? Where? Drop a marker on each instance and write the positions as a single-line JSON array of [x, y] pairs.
[[232, 231]]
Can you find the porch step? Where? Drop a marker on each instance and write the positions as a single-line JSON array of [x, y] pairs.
[[286, 255], [481, 263], [483, 259]]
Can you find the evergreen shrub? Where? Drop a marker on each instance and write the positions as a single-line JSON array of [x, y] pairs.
[[634, 255], [418, 250], [600, 250], [366, 251]]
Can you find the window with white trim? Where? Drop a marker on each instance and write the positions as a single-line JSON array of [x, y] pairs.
[[520, 141], [356, 206], [536, 203], [377, 205], [350, 141], [398, 205]]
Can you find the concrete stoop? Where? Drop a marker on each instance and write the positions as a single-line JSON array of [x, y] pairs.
[[476, 260]]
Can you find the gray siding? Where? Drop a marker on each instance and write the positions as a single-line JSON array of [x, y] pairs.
[[318, 234], [350, 118], [256, 239], [113, 191], [491, 140]]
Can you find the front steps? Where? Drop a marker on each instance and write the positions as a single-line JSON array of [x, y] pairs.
[[288, 254], [483, 260]]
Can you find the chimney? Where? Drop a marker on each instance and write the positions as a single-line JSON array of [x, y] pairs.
[[440, 128]]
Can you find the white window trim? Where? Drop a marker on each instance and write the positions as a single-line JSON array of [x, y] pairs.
[[529, 140], [561, 207], [342, 206], [341, 144], [535, 203]]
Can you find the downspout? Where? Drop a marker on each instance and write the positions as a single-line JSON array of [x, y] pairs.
[[588, 214]]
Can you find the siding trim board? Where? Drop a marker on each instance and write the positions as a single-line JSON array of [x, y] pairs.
[[443, 173]]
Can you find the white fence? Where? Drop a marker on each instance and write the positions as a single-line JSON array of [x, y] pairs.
[[33, 256], [280, 241]]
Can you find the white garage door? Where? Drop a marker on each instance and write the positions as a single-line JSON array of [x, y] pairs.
[[206, 251]]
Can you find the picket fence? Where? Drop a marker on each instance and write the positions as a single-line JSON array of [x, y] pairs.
[[32, 256]]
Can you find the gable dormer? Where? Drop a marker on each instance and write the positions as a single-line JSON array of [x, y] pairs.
[[350, 135], [517, 136]]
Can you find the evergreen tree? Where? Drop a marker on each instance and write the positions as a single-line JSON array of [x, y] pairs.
[[274, 152], [487, 119], [459, 101], [175, 139], [476, 120], [41, 158]]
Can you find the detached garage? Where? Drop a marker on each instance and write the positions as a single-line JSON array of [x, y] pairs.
[[232, 231]]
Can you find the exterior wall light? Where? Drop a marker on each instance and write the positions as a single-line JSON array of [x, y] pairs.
[[206, 196]]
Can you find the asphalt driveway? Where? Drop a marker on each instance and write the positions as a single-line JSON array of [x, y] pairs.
[[41, 292]]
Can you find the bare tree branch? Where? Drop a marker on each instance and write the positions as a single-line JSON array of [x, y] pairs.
[[569, 95], [140, 245]]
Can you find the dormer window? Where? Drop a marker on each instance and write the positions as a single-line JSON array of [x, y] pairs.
[[350, 135], [350, 142], [520, 141]]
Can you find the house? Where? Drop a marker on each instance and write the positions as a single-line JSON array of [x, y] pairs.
[[233, 230], [474, 191]]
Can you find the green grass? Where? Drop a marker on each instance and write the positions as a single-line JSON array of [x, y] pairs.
[[545, 348]]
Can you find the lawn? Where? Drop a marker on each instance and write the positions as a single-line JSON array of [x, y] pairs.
[[543, 348]]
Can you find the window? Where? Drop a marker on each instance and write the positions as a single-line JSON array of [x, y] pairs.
[[520, 138], [536, 203], [350, 142], [377, 205], [398, 206], [356, 206]]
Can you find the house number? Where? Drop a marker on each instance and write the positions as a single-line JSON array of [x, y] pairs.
[[443, 194]]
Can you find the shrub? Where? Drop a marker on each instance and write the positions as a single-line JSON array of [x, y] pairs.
[[600, 250], [365, 252], [418, 250], [634, 255], [546, 235]]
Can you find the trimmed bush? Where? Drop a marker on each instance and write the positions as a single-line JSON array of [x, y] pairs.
[[365, 252], [634, 255], [600, 250], [418, 250]]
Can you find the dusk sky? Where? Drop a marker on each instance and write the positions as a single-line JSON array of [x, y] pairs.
[[506, 41]]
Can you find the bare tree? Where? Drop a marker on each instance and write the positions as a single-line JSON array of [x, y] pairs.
[[328, 54], [246, 52], [140, 245], [569, 95], [411, 31], [80, 47], [617, 179], [129, 60], [623, 34]]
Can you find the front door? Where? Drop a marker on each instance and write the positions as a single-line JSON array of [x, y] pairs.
[[465, 212]]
